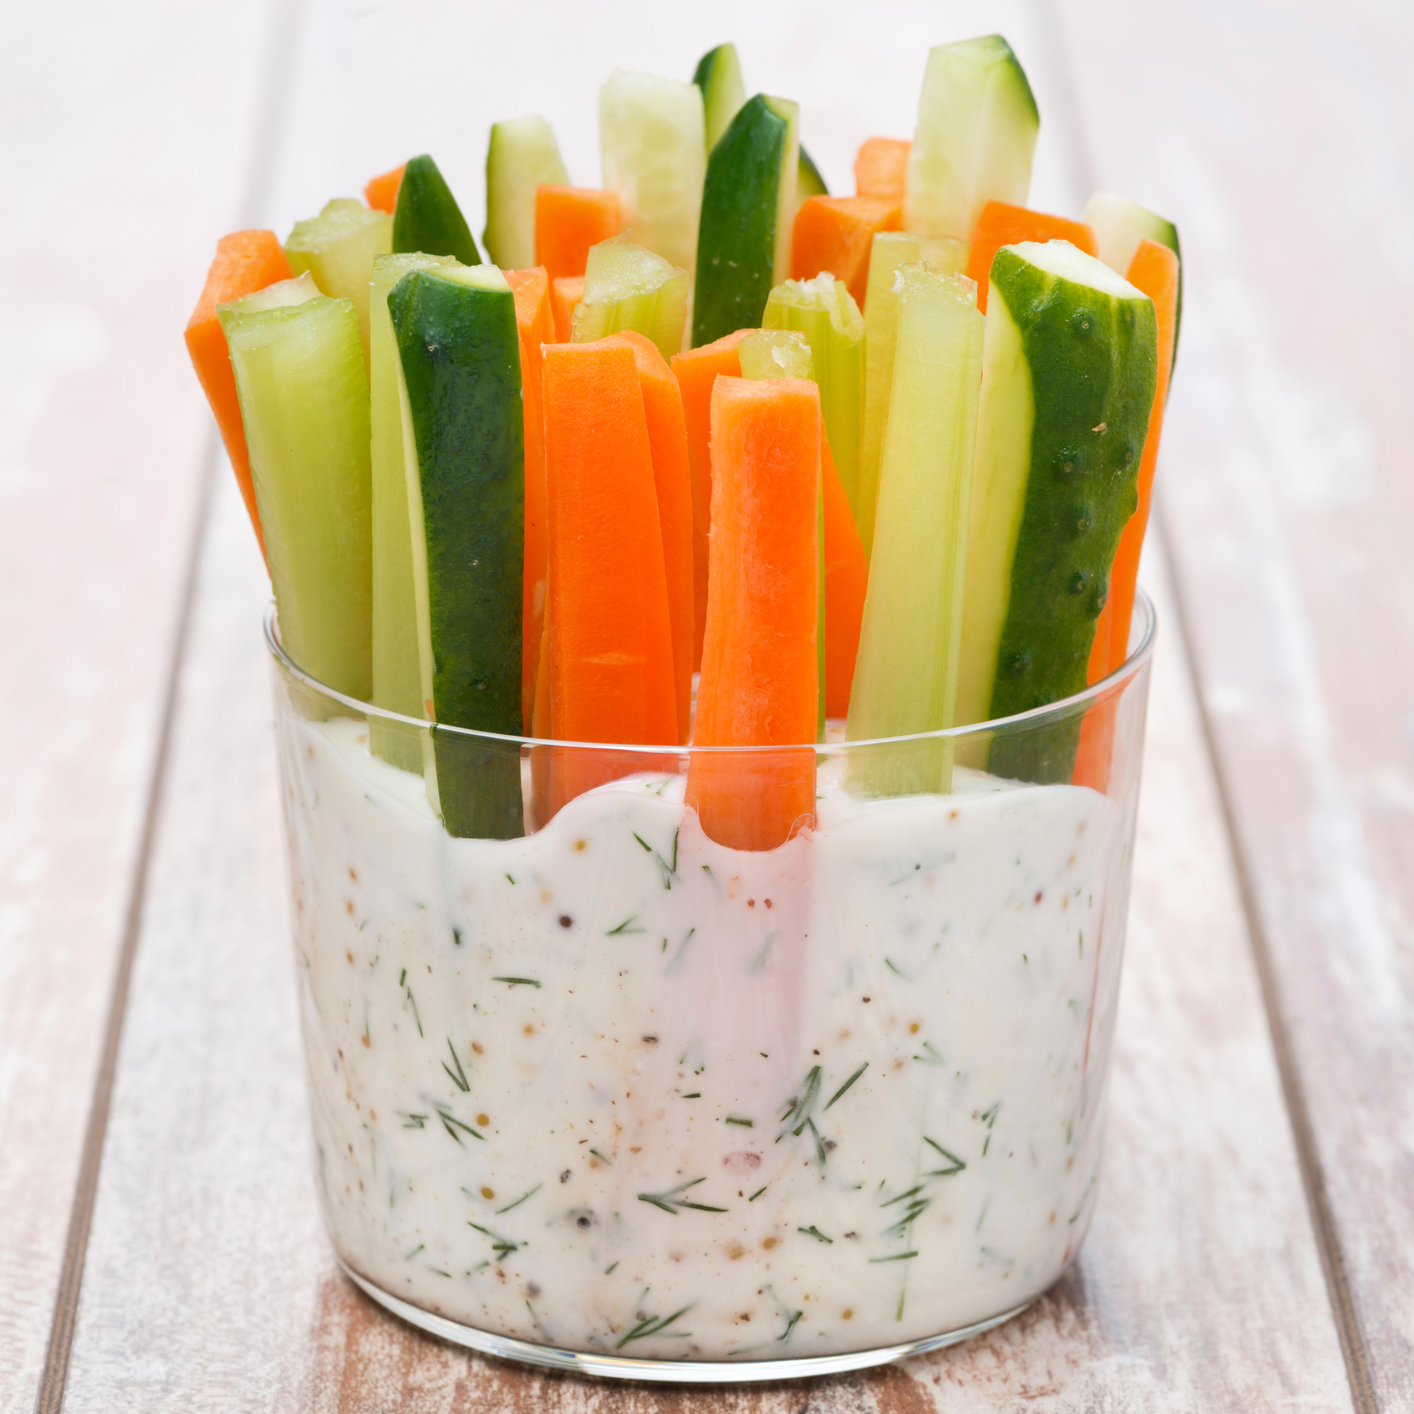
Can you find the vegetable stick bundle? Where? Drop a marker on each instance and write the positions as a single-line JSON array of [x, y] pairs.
[[884, 458]]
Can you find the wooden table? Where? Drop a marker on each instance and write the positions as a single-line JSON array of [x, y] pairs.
[[160, 1247]]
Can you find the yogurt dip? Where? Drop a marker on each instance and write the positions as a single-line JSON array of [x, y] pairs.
[[615, 1088]]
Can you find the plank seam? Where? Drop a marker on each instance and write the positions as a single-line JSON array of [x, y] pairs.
[[1352, 1343], [273, 93]]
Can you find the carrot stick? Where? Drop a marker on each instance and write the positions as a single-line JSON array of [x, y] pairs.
[[565, 295], [696, 371], [759, 682], [568, 220], [880, 165], [381, 193], [846, 578], [611, 662], [1154, 270], [1003, 224], [245, 261], [667, 439], [836, 233], [536, 327]]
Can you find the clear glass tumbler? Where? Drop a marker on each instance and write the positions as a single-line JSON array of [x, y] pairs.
[[593, 1090]]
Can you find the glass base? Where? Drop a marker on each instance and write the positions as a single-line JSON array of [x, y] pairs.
[[618, 1367]]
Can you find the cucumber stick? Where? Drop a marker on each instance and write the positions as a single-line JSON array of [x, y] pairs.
[[890, 250], [627, 287], [1119, 225], [808, 181], [303, 393], [823, 310], [463, 431], [338, 248], [906, 672], [521, 156], [785, 353], [397, 677], [718, 76], [977, 124], [748, 208], [654, 155], [427, 217], [1068, 371]]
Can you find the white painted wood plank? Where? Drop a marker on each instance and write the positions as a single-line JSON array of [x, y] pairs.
[[125, 155]]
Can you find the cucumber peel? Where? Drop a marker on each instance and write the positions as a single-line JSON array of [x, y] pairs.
[[823, 310], [718, 76], [906, 672], [397, 676], [1119, 225], [653, 150], [427, 217], [463, 429], [1068, 371], [303, 392], [748, 207], [521, 155], [890, 250], [808, 181], [977, 124], [338, 248], [627, 287]]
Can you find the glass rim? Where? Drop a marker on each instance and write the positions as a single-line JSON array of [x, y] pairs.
[[1034, 716]]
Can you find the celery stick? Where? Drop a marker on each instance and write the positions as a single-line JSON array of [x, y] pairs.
[[653, 146], [338, 248], [303, 393], [775, 353], [627, 287], [905, 677], [521, 156], [824, 312], [890, 250], [397, 681], [785, 353]]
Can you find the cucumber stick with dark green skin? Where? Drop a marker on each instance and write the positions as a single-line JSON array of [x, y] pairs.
[[808, 181], [427, 217], [463, 431], [748, 207], [1068, 371]]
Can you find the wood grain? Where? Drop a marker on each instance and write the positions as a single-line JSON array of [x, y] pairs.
[[111, 211], [1279, 139]]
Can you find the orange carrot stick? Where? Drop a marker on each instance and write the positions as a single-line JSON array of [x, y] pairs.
[[536, 327], [836, 233], [568, 220], [611, 659], [667, 439], [381, 193], [696, 371], [565, 295], [846, 578], [879, 167], [1153, 270], [1002, 224], [759, 682], [245, 261]]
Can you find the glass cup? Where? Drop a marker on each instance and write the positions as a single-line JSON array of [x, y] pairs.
[[594, 1088]]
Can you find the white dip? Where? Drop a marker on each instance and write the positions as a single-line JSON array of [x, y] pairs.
[[614, 1087]]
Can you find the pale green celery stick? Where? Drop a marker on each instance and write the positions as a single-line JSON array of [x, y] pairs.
[[521, 156], [397, 681], [303, 393], [653, 147], [823, 310], [785, 353], [905, 677], [977, 124], [890, 250], [723, 93], [627, 287], [338, 248]]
